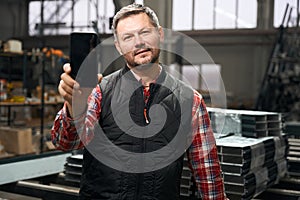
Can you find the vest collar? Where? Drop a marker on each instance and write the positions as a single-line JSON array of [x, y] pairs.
[[132, 77]]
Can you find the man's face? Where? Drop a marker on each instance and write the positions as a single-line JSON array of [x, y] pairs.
[[138, 40]]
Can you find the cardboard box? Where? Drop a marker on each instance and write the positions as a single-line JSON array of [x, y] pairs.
[[16, 140], [14, 46]]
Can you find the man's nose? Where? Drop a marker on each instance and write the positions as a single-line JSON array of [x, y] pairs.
[[139, 41]]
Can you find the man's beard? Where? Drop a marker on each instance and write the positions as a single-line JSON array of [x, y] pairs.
[[154, 59]]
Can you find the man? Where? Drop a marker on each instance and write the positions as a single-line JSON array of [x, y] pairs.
[[137, 37]]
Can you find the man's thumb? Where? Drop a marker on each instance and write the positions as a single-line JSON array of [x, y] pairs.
[[67, 68]]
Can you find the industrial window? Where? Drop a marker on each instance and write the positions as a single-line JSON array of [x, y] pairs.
[[212, 81], [191, 75], [214, 14], [288, 6], [64, 16], [203, 77]]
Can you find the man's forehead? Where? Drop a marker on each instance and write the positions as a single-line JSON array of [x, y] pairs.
[[136, 30]]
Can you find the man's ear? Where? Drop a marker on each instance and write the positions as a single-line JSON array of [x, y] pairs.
[[161, 34], [117, 45]]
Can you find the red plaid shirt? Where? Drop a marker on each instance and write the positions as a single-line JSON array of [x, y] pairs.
[[202, 153]]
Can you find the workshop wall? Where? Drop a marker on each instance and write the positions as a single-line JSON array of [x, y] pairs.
[[14, 18], [243, 55]]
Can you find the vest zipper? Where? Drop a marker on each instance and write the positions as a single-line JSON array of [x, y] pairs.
[[146, 95], [140, 176]]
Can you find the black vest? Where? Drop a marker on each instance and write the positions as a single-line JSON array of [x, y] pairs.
[[102, 182]]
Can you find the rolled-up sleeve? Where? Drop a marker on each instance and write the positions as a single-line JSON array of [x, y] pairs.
[[202, 154], [67, 133]]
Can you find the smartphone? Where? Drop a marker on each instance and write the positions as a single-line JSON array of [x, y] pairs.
[[83, 58]]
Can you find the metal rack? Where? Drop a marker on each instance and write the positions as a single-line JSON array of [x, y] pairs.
[[280, 86]]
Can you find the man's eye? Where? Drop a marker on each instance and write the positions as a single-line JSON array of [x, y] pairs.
[[145, 32], [126, 38]]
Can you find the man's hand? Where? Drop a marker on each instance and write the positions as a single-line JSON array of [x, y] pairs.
[[69, 89], [66, 84]]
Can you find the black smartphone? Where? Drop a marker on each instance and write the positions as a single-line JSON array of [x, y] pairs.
[[83, 58]]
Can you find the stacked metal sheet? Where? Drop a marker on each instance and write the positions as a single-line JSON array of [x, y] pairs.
[[248, 123], [73, 168], [186, 183], [251, 165], [225, 121], [292, 129], [260, 124], [294, 156]]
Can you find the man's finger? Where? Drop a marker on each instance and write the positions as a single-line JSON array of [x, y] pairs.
[[67, 68], [67, 96], [100, 78]]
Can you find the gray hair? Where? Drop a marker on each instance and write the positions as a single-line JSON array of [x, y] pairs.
[[133, 9]]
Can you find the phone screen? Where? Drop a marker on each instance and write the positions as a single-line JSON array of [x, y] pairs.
[[83, 58]]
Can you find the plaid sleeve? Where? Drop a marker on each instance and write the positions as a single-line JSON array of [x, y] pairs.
[[68, 133], [202, 154]]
